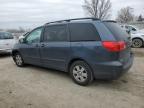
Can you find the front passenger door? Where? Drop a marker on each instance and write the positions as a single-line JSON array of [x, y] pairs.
[[30, 47]]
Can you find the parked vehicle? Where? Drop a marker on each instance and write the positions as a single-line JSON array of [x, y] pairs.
[[137, 39], [7, 42], [137, 35], [87, 48]]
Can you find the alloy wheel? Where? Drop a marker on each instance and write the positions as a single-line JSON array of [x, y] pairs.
[[80, 74], [18, 60], [137, 43]]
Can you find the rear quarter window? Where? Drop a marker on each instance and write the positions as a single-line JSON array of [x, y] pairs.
[[83, 32], [116, 30]]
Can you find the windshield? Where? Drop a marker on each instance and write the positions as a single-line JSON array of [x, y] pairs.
[[5, 35], [136, 27]]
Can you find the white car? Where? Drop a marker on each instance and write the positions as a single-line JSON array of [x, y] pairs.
[[137, 35], [7, 42]]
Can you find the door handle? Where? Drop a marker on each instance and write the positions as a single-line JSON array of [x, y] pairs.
[[42, 45]]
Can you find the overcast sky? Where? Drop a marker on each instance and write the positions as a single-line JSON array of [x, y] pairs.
[[32, 13]]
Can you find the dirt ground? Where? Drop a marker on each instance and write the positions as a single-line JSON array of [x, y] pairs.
[[35, 87]]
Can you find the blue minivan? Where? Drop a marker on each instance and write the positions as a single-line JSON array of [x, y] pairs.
[[87, 48]]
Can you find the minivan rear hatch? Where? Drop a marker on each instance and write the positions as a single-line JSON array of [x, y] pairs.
[[121, 36]]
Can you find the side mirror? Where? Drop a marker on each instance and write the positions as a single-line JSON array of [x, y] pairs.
[[21, 40]]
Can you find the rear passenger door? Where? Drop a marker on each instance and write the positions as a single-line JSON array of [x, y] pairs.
[[85, 41], [55, 48]]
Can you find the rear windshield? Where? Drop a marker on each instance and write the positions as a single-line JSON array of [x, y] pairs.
[[5, 35], [116, 30]]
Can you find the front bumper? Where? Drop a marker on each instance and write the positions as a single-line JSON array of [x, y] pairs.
[[111, 70], [3, 51]]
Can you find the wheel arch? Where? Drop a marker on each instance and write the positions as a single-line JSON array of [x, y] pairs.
[[137, 38], [140, 39], [14, 52], [74, 60]]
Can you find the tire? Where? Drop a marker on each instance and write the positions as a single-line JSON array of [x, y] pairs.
[[137, 43], [18, 60], [81, 73]]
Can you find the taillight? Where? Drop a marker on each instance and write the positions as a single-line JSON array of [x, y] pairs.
[[113, 46]]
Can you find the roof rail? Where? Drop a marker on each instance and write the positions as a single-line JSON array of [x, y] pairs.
[[110, 21], [68, 20]]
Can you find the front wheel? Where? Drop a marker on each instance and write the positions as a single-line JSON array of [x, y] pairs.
[[81, 73], [18, 60], [137, 43]]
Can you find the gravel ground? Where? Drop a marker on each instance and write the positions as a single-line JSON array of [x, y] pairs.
[[35, 87]]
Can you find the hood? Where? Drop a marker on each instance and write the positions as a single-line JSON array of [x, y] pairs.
[[142, 30], [138, 32]]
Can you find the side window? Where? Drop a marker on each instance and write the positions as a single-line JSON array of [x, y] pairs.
[[133, 29], [83, 32], [56, 33], [34, 36]]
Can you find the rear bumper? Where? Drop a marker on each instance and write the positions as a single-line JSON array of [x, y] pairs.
[[111, 70], [3, 51]]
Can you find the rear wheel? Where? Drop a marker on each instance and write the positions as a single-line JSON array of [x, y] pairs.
[[81, 73], [137, 43], [18, 60]]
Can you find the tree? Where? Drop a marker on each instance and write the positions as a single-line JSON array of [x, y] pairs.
[[98, 8], [21, 30], [140, 18], [125, 15]]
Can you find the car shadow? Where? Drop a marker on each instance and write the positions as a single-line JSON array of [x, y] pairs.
[[118, 84], [121, 84], [49, 70], [4, 55]]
